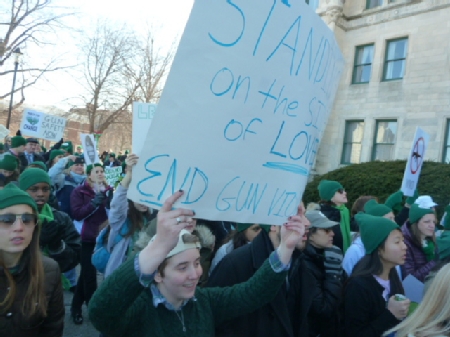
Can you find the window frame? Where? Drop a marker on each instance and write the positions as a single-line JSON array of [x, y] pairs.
[[357, 49], [445, 146], [368, 2], [347, 122], [386, 61], [374, 143]]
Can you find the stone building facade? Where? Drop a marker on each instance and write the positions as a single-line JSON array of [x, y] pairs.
[[396, 77]]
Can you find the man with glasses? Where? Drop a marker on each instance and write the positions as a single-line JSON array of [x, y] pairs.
[[58, 239]]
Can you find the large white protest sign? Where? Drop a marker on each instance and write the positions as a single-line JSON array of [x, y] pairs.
[[415, 162], [89, 149], [112, 175], [242, 113], [41, 125], [142, 119]]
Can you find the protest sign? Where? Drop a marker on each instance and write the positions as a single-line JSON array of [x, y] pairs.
[[41, 125], [142, 119], [112, 175], [242, 113], [89, 149], [413, 288], [415, 162]]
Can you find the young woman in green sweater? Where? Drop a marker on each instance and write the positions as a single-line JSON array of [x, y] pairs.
[[156, 294]]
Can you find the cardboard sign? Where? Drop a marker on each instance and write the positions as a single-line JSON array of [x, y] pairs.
[[40, 125], [415, 162], [112, 174], [89, 149], [142, 119], [242, 113]]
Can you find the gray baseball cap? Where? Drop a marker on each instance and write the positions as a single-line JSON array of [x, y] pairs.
[[319, 220]]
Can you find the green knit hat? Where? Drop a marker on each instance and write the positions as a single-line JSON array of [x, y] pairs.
[[18, 141], [56, 153], [243, 226], [395, 201], [327, 189], [112, 154], [373, 208], [67, 146], [11, 195], [9, 163], [90, 167], [374, 230], [40, 165], [33, 176], [416, 213]]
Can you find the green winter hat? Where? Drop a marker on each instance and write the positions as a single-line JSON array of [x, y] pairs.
[[395, 200], [33, 176], [11, 195], [374, 230], [18, 141], [56, 153], [39, 164], [67, 146], [112, 154], [327, 189], [90, 167], [9, 163], [416, 213], [373, 208], [243, 226]]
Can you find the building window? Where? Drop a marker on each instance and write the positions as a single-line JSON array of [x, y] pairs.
[[446, 153], [373, 3], [384, 140], [314, 4], [351, 152], [395, 60], [362, 68]]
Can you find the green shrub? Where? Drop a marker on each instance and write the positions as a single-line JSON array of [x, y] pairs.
[[381, 179]]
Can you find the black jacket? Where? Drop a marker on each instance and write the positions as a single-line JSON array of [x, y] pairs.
[[365, 310], [326, 292], [70, 256], [273, 319], [24, 161], [335, 215]]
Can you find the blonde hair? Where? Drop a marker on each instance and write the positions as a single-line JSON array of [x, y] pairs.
[[432, 317]]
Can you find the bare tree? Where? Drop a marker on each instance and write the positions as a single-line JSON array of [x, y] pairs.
[[24, 23]]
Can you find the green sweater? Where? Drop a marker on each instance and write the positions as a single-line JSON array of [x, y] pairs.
[[123, 307]]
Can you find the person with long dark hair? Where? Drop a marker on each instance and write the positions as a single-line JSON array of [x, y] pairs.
[[370, 306], [126, 218], [31, 296]]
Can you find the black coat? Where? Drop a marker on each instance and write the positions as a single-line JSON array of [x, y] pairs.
[[273, 319], [69, 258], [327, 294], [365, 310], [334, 214]]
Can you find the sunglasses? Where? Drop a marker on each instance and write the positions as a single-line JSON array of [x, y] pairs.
[[10, 219]]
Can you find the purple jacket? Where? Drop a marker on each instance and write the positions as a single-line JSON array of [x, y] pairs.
[[416, 262], [83, 210]]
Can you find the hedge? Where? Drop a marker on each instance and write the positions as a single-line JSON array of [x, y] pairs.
[[381, 179]]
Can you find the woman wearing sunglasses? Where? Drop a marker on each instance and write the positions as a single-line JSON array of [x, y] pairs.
[[332, 203], [31, 297]]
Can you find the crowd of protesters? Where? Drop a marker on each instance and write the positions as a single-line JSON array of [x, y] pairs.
[[327, 271]]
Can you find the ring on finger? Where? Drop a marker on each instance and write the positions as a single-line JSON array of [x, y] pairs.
[[179, 220]]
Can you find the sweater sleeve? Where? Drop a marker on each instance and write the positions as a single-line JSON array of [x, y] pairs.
[[113, 308], [56, 172], [244, 298], [358, 306], [79, 208], [119, 209]]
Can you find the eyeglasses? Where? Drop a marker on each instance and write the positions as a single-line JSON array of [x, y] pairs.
[[327, 230], [341, 190], [7, 220]]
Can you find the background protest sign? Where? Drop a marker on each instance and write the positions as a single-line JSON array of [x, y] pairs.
[[112, 174], [89, 149], [415, 162], [142, 119], [41, 125], [242, 113]]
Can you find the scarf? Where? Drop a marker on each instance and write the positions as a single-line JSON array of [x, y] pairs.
[[78, 178], [428, 248], [345, 226]]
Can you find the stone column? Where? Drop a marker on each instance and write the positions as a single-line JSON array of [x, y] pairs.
[[330, 11]]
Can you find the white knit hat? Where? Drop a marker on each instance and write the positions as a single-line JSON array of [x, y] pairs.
[[181, 245]]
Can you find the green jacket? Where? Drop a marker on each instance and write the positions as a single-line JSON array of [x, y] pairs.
[[123, 307]]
